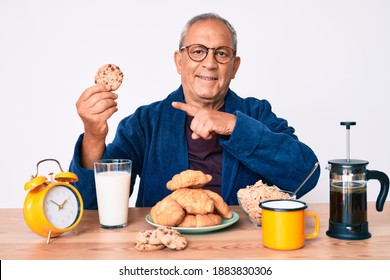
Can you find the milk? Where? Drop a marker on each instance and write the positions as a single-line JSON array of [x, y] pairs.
[[112, 190]]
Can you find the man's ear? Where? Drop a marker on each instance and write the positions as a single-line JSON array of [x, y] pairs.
[[177, 57]]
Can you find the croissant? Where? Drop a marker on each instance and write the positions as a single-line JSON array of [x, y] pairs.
[[189, 205], [200, 220], [188, 179], [208, 220], [194, 201], [167, 212], [188, 221], [220, 205]]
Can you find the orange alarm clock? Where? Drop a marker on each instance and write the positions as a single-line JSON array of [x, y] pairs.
[[52, 207]]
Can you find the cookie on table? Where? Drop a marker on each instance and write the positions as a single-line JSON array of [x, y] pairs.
[[109, 74], [148, 237], [142, 247], [171, 238]]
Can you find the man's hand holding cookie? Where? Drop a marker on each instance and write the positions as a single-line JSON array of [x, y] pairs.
[[95, 106], [98, 103]]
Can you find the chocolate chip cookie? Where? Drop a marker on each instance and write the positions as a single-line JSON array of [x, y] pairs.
[[171, 238], [142, 247], [109, 74], [148, 237]]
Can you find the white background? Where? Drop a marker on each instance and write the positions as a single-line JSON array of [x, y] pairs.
[[317, 62]]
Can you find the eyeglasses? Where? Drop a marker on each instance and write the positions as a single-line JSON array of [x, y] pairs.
[[198, 53]]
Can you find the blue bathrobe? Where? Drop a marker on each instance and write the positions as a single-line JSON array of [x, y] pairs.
[[262, 146]]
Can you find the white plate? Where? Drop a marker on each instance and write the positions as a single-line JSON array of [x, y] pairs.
[[225, 223]]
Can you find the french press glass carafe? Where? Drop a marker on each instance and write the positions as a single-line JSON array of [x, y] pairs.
[[348, 195]]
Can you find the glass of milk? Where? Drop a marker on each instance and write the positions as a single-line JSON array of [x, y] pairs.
[[112, 179]]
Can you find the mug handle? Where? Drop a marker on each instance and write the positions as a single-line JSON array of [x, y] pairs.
[[316, 227]]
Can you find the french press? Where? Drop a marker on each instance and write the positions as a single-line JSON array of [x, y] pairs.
[[348, 195]]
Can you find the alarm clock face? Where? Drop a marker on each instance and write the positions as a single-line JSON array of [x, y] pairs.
[[61, 206]]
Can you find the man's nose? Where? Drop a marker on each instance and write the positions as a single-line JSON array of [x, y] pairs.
[[210, 57]]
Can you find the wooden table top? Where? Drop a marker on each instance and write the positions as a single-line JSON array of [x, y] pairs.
[[241, 240]]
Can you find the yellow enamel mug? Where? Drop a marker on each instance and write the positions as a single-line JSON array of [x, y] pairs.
[[283, 224]]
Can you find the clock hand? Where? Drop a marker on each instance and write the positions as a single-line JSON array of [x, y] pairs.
[[63, 203], [59, 206]]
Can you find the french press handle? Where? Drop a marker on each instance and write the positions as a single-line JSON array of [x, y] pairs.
[[384, 181]]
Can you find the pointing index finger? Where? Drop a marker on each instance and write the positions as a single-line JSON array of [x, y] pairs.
[[190, 110]]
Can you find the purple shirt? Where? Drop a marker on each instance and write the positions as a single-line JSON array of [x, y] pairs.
[[206, 156]]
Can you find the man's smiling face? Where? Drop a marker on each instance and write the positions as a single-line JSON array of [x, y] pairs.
[[205, 83]]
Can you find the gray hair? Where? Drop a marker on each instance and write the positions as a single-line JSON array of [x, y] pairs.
[[206, 16]]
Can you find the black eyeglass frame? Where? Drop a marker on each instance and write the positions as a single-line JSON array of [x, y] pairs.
[[207, 52]]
